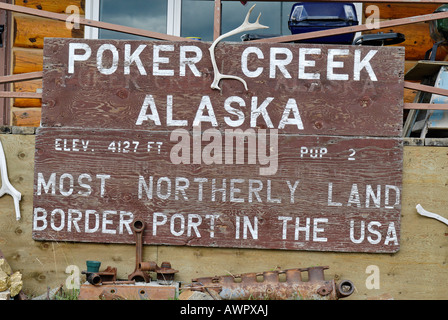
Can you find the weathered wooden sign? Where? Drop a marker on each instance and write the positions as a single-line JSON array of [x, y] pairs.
[[308, 158]]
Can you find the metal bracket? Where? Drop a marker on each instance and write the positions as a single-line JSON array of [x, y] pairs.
[[2, 29]]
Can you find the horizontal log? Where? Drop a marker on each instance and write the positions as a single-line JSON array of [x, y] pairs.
[[27, 60], [27, 86], [29, 32], [27, 103], [401, 10], [52, 5], [26, 118]]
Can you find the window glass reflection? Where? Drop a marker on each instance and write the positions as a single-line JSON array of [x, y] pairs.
[[197, 18], [273, 14], [147, 15]]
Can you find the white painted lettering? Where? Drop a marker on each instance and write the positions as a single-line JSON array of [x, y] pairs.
[[244, 61], [158, 60]]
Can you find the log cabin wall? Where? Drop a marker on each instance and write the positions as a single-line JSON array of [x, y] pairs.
[[27, 52]]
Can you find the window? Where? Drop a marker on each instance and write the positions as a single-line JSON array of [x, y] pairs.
[[147, 15], [185, 18], [273, 14]]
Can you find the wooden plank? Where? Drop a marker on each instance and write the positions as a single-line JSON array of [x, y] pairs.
[[28, 86], [426, 106], [217, 19], [29, 32], [425, 88], [27, 60], [128, 174], [21, 77], [12, 94], [26, 118], [156, 93], [87, 97]]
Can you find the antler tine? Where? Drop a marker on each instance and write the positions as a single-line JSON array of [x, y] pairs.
[[246, 25], [258, 18], [259, 25], [246, 20]]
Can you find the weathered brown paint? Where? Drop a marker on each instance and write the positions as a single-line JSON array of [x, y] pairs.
[[377, 162], [351, 130], [87, 98]]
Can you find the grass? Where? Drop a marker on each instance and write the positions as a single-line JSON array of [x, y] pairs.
[[69, 294]]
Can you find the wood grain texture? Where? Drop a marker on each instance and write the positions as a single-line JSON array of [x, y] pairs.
[[27, 86], [27, 60], [333, 111], [377, 164], [26, 117], [51, 5], [349, 107], [401, 10], [29, 32]]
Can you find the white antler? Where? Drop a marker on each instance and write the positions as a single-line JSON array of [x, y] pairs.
[[246, 26], [428, 214], [6, 185]]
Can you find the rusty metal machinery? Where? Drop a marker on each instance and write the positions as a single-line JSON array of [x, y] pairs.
[[275, 285], [97, 278], [164, 273]]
